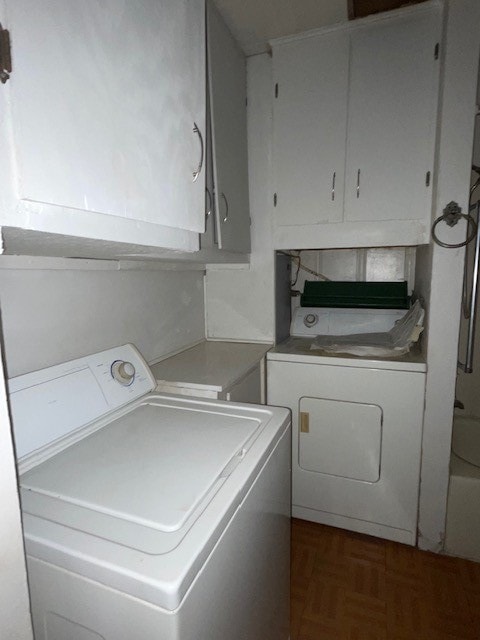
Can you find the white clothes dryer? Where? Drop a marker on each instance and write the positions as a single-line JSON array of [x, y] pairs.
[[357, 427], [150, 516]]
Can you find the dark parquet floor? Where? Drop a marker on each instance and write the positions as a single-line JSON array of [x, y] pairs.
[[347, 586]]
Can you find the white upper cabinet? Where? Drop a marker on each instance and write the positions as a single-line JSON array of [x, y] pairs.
[[107, 105], [311, 91], [228, 94], [355, 112], [391, 123]]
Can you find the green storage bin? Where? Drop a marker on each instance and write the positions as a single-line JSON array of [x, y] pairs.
[[356, 295]]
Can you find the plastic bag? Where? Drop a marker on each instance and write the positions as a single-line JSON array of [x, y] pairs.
[[395, 342]]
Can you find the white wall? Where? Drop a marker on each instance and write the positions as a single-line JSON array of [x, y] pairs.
[[458, 109], [240, 303], [51, 315]]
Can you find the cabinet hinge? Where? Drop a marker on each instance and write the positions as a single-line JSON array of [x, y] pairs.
[[436, 51], [5, 55], [274, 199], [276, 90], [427, 179]]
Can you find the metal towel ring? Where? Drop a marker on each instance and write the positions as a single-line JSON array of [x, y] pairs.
[[451, 215]]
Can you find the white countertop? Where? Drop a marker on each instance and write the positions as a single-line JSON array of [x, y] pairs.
[[298, 350], [211, 365]]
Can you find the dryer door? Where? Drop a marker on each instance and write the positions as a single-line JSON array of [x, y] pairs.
[[340, 438]]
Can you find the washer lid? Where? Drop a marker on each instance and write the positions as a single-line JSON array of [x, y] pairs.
[[152, 467]]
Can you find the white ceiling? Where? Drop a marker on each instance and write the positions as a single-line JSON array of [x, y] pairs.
[[254, 22]]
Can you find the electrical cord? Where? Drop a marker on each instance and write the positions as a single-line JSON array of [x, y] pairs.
[[296, 258]]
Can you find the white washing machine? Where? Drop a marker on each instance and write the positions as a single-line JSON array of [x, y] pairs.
[[150, 516], [357, 429]]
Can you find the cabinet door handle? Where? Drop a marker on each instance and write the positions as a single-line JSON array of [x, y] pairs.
[[333, 184], [225, 217], [200, 164], [358, 183], [209, 202]]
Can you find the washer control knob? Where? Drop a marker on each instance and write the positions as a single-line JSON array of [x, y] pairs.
[[123, 372], [310, 319]]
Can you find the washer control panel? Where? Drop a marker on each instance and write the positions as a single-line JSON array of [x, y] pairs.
[[49, 404], [327, 321], [309, 321]]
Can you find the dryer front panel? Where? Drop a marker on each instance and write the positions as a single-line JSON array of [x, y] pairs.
[[356, 446]]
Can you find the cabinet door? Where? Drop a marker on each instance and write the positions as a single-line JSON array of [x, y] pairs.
[[249, 389], [106, 96], [228, 94], [310, 115], [391, 119]]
